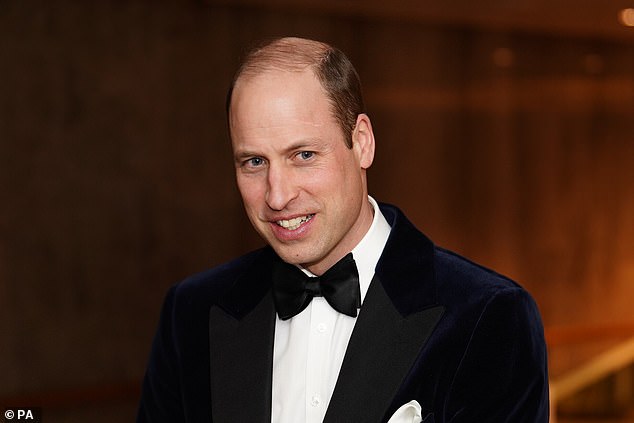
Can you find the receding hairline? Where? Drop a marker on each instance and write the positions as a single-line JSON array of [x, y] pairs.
[[330, 66], [289, 54]]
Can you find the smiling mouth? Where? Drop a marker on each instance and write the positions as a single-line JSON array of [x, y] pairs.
[[295, 223]]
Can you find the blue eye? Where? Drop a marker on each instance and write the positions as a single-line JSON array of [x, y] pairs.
[[255, 162], [305, 155]]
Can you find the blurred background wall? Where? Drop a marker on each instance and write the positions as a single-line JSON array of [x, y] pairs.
[[504, 131]]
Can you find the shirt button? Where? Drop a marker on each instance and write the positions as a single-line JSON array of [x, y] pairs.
[[321, 328], [315, 400]]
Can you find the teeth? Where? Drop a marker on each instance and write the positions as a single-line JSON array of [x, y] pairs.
[[294, 223]]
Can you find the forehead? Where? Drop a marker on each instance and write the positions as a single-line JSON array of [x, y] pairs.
[[276, 98], [277, 83]]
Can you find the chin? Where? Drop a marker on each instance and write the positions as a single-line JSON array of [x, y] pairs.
[[289, 257], [289, 254]]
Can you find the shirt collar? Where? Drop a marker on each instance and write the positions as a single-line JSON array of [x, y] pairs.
[[368, 251]]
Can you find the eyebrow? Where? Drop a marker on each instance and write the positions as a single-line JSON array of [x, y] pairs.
[[241, 155], [308, 143]]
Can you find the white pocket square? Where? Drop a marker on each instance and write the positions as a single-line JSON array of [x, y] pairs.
[[407, 413]]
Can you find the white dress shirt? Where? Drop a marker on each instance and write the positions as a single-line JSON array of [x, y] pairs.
[[309, 347]]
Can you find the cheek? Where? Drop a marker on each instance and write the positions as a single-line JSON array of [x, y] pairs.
[[249, 190]]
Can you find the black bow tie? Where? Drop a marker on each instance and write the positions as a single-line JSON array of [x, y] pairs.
[[293, 290]]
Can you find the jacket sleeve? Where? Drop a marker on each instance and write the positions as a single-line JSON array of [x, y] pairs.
[[161, 392], [503, 375]]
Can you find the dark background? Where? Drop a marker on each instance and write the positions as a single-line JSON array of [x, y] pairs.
[[504, 134]]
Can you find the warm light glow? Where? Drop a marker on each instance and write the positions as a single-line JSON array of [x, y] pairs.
[[503, 57], [626, 16]]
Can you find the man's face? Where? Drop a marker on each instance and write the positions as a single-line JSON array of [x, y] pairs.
[[303, 189]]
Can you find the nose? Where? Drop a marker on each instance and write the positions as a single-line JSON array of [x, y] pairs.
[[281, 188]]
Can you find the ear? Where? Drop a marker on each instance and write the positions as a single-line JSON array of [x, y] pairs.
[[363, 141]]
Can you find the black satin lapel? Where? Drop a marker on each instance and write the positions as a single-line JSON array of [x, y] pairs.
[[241, 359], [382, 349]]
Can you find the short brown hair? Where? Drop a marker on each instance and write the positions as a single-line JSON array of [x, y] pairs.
[[332, 68]]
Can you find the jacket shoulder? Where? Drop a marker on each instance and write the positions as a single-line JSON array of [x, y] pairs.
[[468, 289], [209, 285], [452, 266]]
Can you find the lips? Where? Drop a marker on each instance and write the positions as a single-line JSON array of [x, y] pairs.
[[295, 223]]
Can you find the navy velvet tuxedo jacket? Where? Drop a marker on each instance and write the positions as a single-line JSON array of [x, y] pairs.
[[465, 342]]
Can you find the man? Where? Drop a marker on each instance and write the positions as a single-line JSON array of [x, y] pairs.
[[398, 330]]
